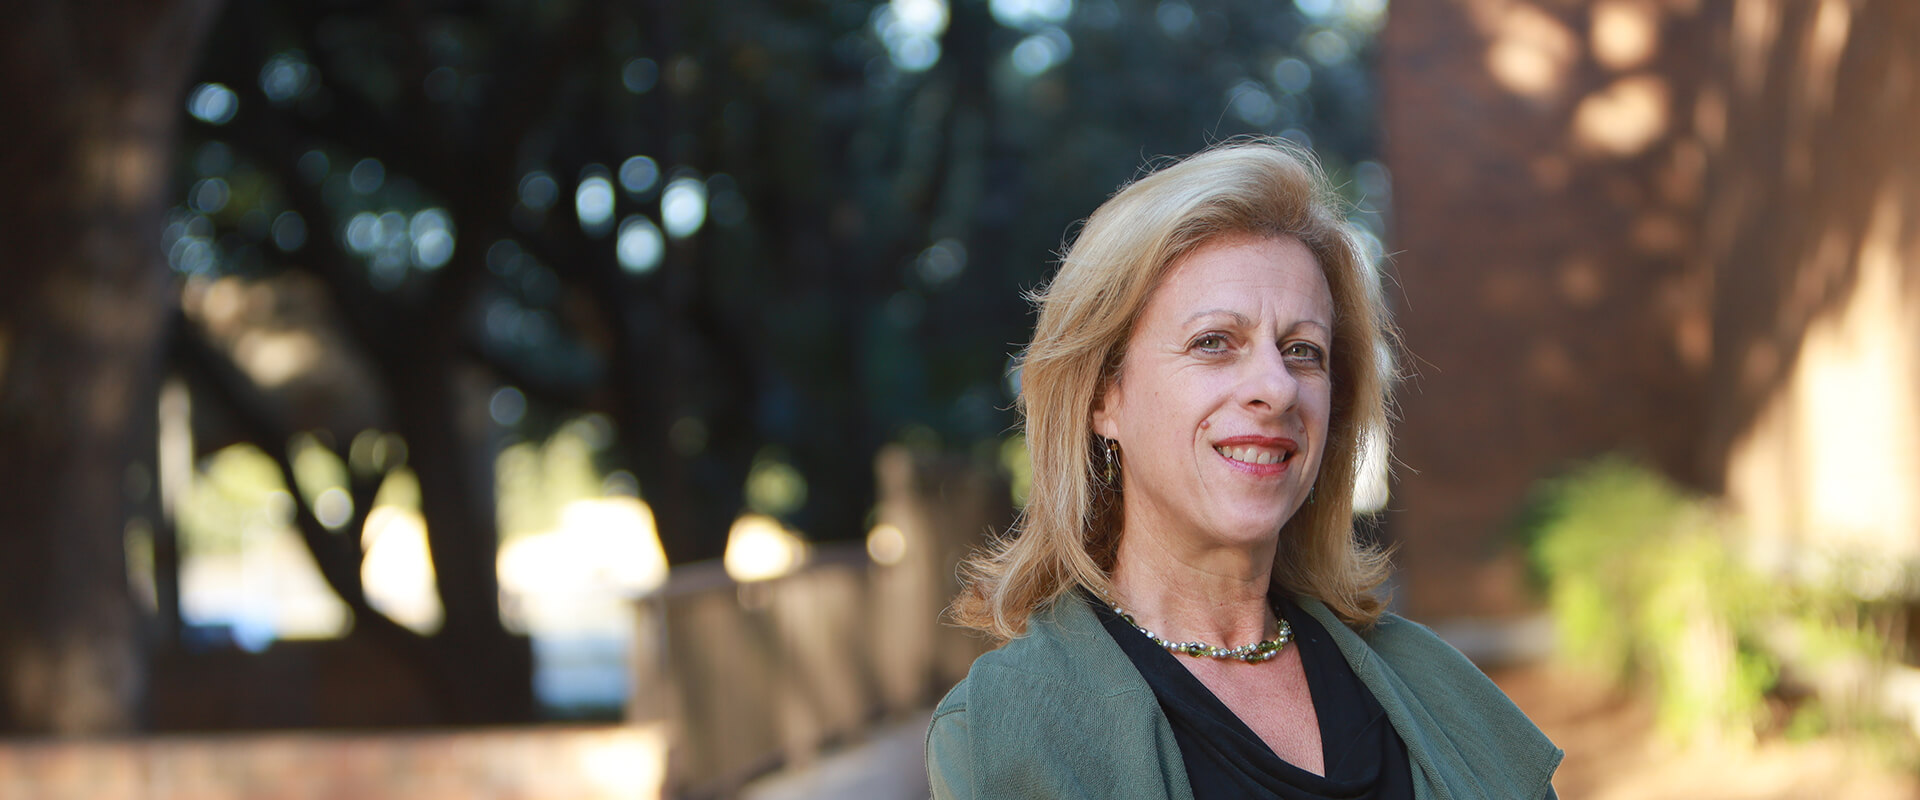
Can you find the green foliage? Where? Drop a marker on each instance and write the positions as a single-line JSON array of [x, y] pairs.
[[240, 490], [537, 479], [1647, 589], [316, 468], [400, 489], [774, 487], [722, 227]]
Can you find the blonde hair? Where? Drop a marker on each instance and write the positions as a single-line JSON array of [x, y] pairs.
[[1069, 531]]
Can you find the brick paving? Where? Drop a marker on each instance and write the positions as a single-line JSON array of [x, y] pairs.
[[544, 763]]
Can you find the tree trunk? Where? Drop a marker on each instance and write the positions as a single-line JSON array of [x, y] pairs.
[[92, 102], [487, 673]]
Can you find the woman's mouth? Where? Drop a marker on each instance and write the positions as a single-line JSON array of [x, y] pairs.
[[1256, 455]]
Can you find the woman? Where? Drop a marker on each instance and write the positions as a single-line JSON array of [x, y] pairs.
[[1186, 609]]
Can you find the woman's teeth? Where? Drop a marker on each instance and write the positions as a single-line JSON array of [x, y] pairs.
[[1252, 455]]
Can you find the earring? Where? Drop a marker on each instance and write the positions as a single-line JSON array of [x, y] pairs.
[[1112, 474], [1310, 492]]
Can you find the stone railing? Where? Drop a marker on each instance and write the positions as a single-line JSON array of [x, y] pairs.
[[731, 680], [748, 677]]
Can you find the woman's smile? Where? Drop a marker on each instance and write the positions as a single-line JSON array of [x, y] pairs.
[[1258, 455]]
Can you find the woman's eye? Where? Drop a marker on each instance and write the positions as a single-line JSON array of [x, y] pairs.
[[1305, 351], [1211, 341]]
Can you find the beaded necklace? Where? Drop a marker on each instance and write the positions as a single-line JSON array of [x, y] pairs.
[[1250, 653]]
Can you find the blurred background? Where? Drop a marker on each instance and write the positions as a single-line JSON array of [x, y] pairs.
[[592, 400]]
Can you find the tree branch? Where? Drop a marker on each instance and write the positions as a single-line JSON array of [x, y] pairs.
[[338, 557]]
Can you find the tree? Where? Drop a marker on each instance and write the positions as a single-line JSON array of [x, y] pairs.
[[91, 97], [796, 231]]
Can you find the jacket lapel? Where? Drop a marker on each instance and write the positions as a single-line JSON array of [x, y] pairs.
[[1464, 737]]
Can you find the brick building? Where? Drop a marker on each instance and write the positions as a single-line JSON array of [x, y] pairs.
[[1687, 230]]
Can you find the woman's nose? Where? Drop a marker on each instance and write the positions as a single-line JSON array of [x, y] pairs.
[[1267, 383]]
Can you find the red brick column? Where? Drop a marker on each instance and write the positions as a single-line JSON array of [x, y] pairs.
[[1547, 205]]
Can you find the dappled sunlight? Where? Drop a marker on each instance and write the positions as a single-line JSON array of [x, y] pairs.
[[571, 590], [1710, 116], [1536, 54], [759, 548], [1625, 33], [244, 572], [1821, 64], [320, 473], [1693, 339], [1831, 459], [269, 590], [1041, 51], [774, 486], [1755, 25], [392, 240], [683, 206], [640, 245], [1815, 219], [174, 451], [621, 531], [593, 200], [213, 103], [630, 764], [567, 762], [1657, 602], [605, 547], [1624, 119], [1615, 751], [273, 357], [281, 334], [911, 30], [398, 569], [886, 545], [1529, 52], [578, 546], [244, 567]]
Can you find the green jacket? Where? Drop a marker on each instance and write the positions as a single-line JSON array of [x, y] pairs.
[[1061, 712]]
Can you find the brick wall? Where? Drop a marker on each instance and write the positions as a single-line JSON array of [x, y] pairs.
[[1618, 223]]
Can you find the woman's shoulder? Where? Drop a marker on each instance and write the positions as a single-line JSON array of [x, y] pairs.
[[1455, 721], [1403, 642], [1066, 674], [1409, 656], [1065, 649], [1060, 711]]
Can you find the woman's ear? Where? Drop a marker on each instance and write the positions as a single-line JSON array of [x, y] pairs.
[[1105, 410]]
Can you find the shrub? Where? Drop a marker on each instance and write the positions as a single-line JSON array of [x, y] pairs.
[[1647, 588]]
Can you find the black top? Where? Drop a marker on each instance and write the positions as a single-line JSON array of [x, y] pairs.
[[1363, 755]]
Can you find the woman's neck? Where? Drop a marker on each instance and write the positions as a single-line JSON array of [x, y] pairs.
[[1217, 596]]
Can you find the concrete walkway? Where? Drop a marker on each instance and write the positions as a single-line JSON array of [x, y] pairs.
[[888, 765]]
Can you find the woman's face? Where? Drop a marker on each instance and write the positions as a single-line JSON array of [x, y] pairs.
[[1221, 403]]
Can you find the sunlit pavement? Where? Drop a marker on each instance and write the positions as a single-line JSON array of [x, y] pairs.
[[1615, 753], [564, 762], [888, 765]]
